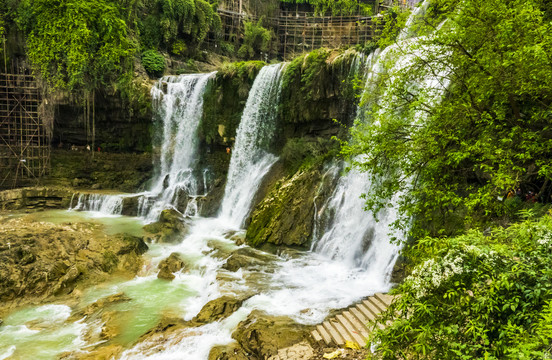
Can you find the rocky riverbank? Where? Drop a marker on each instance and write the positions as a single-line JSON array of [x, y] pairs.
[[41, 260]]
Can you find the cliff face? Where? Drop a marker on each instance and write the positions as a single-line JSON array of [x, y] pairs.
[[118, 128]]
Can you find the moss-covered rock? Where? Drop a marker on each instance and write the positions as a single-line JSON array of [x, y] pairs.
[[114, 171], [39, 259], [319, 85], [35, 198], [170, 228], [225, 99], [169, 266], [218, 309], [262, 335], [286, 215]]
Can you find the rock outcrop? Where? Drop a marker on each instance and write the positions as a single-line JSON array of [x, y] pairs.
[[170, 228], [38, 259], [261, 335], [35, 198], [286, 215], [169, 266]]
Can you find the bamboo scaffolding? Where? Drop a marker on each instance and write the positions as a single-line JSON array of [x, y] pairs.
[[24, 138]]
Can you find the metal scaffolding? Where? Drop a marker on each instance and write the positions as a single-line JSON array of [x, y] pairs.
[[24, 130], [299, 31]]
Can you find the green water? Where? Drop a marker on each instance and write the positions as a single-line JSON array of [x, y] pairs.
[[112, 225], [43, 332]]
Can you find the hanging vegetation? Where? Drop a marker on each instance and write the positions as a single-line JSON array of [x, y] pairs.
[[336, 7]]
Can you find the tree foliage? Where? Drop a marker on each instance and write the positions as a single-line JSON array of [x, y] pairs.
[[476, 296], [257, 41], [166, 22], [489, 132], [335, 7], [75, 43]]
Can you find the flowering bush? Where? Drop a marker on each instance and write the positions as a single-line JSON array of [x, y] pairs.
[[479, 295]]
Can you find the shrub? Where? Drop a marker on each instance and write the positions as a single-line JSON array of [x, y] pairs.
[[154, 63], [480, 295]]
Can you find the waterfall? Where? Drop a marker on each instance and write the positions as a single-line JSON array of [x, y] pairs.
[[251, 159], [101, 203], [344, 230], [178, 103]]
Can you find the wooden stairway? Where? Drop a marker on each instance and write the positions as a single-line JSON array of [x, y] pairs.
[[350, 325]]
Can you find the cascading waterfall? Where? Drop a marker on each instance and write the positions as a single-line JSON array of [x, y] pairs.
[[251, 159], [178, 101], [101, 203], [351, 256], [344, 230], [181, 107]]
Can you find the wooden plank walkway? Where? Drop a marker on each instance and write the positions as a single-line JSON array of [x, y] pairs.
[[350, 324]]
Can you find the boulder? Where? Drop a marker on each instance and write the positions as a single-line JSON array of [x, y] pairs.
[[286, 215], [170, 228], [262, 335], [169, 266], [228, 352], [218, 309], [247, 258]]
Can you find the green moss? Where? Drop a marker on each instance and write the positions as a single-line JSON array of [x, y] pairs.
[[225, 99], [285, 216], [307, 152], [310, 80]]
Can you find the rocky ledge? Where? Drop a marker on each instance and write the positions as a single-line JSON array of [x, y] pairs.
[[39, 260]]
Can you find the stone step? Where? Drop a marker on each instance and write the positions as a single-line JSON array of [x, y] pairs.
[[374, 309], [362, 329], [384, 298], [340, 329], [316, 336], [370, 315], [382, 306], [324, 333], [359, 315], [353, 332], [352, 324], [336, 338]]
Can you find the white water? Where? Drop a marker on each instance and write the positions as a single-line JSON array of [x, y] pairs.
[[181, 108], [178, 101], [345, 231], [251, 159], [103, 204]]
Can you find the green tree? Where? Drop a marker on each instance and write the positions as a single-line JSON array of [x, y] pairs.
[[490, 132], [76, 44]]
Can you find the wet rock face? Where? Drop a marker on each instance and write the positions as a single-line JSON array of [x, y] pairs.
[[169, 266], [38, 198], [286, 214], [262, 335], [218, 309], [247, 258], [38, 260], [171, 227]]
